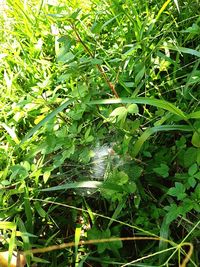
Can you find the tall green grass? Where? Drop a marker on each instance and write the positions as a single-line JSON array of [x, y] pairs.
[[78, 75]]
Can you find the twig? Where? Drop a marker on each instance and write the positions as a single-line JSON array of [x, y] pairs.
[[105, 77]]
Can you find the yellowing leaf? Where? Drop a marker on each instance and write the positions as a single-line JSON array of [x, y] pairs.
[[39, 118], [46, 176]]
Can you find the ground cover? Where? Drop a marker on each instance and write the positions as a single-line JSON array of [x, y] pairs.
[[100, 132]]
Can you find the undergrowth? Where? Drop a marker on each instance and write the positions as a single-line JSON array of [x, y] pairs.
[[100, 132]]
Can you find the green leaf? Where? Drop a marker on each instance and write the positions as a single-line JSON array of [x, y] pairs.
[[143, 100], [183, 50], [178, 191], [148, 132], [197, 175], [46, 176], [191, 181], [90, 184], [194, 29], [119, 112], [140, 75], [196, 139], [84, 184], [117, 211], [45, 120], [133, 109], [65, 57], [118, 177], [190, 156], [40, 210], [94, 233], [96, 27], [163, 170], [96, 61], [173, 212], [198, 156], [193, 169], [194, 115], [164, 233]]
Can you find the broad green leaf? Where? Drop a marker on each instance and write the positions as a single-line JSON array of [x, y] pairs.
[[133, 109], [193, 169], [178, 191], [119, 112], [191, 181], [196, 139], [194, 29], [198, 156], [163, 170], [94, 233], [65, 57], [190, 156], [96, 61], [96, 27], [197, 175]]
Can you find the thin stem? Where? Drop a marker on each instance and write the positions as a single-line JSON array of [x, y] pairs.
[[105, 77]]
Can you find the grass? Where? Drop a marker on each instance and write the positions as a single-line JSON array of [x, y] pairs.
[[77, 77]]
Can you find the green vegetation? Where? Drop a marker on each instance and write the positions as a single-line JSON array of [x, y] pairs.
[[100, 132]]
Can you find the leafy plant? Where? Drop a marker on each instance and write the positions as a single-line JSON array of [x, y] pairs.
[[119, 77]]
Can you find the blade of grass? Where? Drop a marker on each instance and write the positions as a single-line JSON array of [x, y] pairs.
[[117, 211], [28, 211], [177, 5], [143, 100], [87, 184], [46, 119], [11, 132], [194, 115], [164, 233], [184, 50], [76, 243], [163, 8], [147, 133], [102, 216], [11, 245]]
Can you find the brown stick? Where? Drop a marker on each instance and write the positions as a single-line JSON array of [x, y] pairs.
[[105, 77]]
